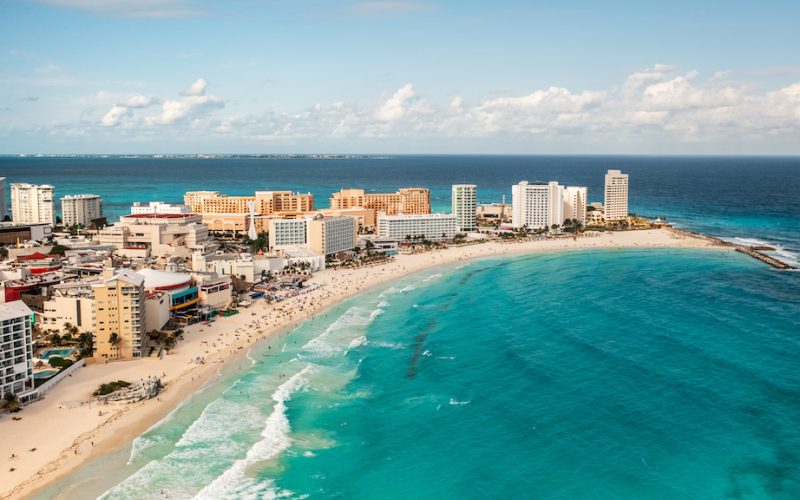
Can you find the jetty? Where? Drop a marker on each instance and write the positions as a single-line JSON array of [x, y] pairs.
[[756, 252]]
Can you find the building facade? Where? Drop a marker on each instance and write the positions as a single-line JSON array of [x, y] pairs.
[[331, 235], [81, 209], [266, 202], [159, 235], [71, 303], [3, 205], [16, 348], [158, 207], [404, 201], [119, 309], [464, 205], [32, 204], [536, 206], [287, 232], [575, 203], [616, 195], [432, 227]]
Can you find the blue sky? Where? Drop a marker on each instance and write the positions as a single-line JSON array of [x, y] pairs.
[[399, 76]]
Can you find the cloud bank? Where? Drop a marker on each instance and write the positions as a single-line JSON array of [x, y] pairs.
[[660, 105]]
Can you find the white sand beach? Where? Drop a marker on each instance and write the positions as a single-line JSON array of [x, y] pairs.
[[65, 429]]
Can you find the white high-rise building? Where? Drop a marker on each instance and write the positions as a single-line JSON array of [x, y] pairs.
[[575, 203], [432, 227], [616, 196], [465, 206], [81, 209], [16, 348], [537, 206], [31, 204], [287, 232], [2, 198]]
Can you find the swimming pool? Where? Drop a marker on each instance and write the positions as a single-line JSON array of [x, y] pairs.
[[44, 374], [61, 353]]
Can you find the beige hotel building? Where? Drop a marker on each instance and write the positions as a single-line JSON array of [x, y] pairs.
[[410, 201], [119, 308]]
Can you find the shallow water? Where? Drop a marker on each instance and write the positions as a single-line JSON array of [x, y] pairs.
[[598, 374]]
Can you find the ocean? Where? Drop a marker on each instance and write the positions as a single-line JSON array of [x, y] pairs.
[[598, 374], [755, 198]]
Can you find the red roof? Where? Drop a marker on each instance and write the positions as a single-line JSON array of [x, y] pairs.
[[160, 216], [35, 256]]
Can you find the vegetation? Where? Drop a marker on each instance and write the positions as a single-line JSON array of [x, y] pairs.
[[3, 253], [110, 387], [58, 250], [86, 344], [11, 403], [114, 340], [257, 244], [59, 362]]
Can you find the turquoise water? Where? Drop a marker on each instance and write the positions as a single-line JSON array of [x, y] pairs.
[[44, 374], [62, 353], [603, 374]]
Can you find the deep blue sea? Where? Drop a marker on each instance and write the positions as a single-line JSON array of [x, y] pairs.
[[745, 197], [603, 374]]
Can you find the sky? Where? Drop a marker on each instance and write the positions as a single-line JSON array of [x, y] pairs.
[[397, 76]]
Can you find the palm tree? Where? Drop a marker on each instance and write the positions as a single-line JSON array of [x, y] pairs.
[[85, 343], [3, 253], [114, 339], [169, 342], [11, 402]]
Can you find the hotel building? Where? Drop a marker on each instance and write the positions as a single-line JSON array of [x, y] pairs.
[[616, 195], [575, 203], [81, 209], [16, 348], [2, 198], [69, 303], [464, 201], [430, 227], [331, 235], [158, 235], [287, 232], [32, 204], [540, 205], [404, 201], [119, 308], [536, 206], [266, 202], [158, 207], [232, 213]]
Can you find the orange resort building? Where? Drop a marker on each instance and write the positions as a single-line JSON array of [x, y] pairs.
[[405, 201], [157, 235], [232, 213], [118, 311]]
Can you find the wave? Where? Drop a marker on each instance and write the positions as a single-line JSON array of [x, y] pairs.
[[779, 252], [342, 332], [459, 403], [233, 483]]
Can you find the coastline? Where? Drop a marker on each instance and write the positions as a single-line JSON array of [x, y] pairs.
[[78, 433]]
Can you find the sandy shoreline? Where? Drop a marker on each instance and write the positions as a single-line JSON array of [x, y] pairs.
[[66, 432]]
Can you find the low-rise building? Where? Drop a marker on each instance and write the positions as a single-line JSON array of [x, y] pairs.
[[434, 227], [12, 233], [71, 303], [158, 207], [159, 235]]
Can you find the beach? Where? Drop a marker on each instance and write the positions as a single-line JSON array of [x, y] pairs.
[[66, 430]]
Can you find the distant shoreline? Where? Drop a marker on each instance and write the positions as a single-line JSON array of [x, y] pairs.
[[82, 434]]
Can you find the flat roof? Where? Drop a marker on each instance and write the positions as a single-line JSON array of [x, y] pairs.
[[10, 310]]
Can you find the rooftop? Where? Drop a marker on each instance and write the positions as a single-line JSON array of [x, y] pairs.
[[11, 310]]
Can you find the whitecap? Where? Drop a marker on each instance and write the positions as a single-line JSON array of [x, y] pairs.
[[459, 403], [233, 483]]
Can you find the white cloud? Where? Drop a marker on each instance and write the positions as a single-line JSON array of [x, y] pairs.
[[130, 8], [116, 116], [141, 101], [659, 104], [198, 88]]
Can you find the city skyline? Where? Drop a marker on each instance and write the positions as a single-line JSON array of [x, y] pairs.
[[182, 76]]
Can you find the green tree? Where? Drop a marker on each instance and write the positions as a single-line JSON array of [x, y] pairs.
[[86, 344], [11, 403], [3, 253], [114, 340]]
